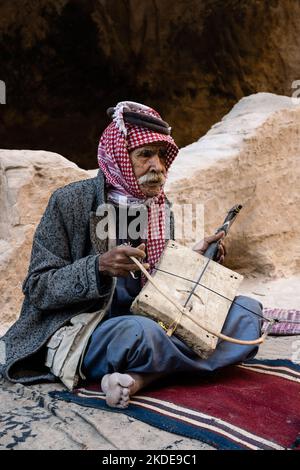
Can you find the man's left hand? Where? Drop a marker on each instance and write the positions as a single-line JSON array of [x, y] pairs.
[[202, 246]]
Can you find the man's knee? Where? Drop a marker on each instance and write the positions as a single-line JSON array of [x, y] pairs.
[[244, 316], [145, 330], [248, 304], [133, 325]]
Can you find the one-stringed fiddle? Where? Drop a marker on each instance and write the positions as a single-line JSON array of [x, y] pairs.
[[190, 294]]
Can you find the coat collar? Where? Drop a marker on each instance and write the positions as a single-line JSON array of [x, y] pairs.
[[101, 246]]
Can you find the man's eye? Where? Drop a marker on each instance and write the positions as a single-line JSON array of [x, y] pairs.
[[147, 153], [162, 153]]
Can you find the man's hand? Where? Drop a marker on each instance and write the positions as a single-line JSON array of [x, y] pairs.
[[202, 246], [116, 262]]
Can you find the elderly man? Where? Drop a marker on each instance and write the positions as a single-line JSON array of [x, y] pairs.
[[75, 321]]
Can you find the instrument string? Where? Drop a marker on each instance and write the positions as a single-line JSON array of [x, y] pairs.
[[197, 283]]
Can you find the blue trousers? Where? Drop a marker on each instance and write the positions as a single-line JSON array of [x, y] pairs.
[[133, 343]]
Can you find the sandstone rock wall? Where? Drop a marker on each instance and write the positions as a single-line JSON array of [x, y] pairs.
[[27, 179], [65, 61], [251, 157]]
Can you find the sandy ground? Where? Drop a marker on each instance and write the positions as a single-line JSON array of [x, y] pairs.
[[281, 293]]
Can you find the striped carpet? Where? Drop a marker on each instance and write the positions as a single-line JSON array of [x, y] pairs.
[[254, 405]]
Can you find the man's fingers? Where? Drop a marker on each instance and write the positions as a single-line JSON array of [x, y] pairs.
[[142, 246], [221, 250], [145, 265], [120, 273], [129, 266], [215, 237], [224, 248], [123, 259], [125, 273], [126, 266], [221, 253], [130, 251]]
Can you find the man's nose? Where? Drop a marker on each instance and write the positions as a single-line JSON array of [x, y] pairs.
[[155, 163]]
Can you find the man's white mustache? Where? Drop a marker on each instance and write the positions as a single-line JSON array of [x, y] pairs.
[[152, 177]]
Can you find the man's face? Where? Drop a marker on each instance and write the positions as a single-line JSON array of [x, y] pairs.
[[149, 167]]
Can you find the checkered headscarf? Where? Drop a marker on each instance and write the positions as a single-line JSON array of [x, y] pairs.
[[113, 158]]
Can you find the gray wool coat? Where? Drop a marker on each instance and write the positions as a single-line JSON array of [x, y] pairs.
[[62, 277]]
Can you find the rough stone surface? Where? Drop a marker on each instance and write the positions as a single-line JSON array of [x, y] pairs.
[[27, 179], [251, 157], [75, 58]]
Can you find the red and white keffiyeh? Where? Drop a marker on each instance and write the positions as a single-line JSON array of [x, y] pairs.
[[113, 157]]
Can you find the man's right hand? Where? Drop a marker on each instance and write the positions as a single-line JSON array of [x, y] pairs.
[[116, 262]]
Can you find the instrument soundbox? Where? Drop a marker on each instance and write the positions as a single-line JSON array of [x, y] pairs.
[[190, 294]]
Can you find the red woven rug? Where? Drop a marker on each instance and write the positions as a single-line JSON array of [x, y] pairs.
[[255, 405]]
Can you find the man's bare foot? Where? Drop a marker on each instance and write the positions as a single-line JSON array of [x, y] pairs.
[[119, 387]]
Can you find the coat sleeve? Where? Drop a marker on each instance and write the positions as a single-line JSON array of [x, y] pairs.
[[53, 280]]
